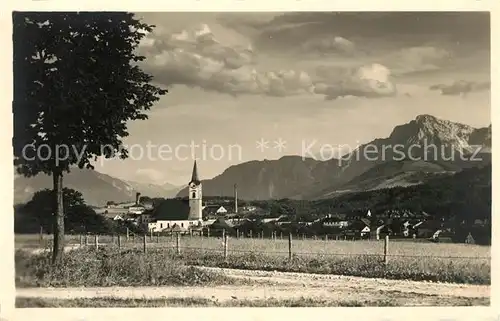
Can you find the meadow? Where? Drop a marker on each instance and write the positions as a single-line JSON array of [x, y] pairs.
[[439, 262]]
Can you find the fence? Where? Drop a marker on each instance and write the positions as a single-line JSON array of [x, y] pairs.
[[289, 245]]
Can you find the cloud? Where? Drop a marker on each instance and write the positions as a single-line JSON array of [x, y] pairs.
[[407, 28], [461, 87], [196, 58], [369, 81], [418, 59], [328, 45]]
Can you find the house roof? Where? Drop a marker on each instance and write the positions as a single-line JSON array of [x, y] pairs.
[[221, 224], [431, 224], [172, 210], [365, 221], [359, 224]]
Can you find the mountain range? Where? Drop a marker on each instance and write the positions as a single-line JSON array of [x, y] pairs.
[[412, 154], [97, 188], [406, 157]]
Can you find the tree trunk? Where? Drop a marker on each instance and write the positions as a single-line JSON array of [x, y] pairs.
[[58, 250]]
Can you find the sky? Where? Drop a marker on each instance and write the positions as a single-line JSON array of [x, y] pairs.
[[254, 86]]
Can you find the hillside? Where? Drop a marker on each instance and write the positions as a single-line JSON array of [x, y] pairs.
[[396, 173], [466, 195], [268, 179]]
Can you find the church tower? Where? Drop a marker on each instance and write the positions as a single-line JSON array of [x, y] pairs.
[[195, 196]]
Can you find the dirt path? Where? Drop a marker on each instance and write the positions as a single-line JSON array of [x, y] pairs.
[[310, 282], [281, 285]]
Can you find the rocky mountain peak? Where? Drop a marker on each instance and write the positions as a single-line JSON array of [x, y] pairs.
[[432, 130]]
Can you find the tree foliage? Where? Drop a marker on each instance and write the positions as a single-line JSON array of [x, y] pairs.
[[39, 212], [77, 83]]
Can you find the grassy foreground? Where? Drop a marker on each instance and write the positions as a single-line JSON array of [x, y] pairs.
[[202, 302], [88, 267], [160, 266]]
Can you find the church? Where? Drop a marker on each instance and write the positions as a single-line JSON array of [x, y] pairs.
[[178, 214]]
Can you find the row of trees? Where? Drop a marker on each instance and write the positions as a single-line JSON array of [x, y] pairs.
[[77, 82]]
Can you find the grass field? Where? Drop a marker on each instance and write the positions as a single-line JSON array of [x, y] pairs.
[[280, 247], [447, 262]]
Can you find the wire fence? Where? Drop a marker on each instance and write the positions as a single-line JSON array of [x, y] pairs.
[[285, 245]]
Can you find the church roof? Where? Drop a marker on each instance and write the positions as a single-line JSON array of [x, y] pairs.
[[194, 176], [172, 210]]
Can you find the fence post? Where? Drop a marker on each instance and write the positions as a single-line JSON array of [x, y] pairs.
[[41, 236], [326, 237], [225, 246], [178, 243], [112, 239], [208, 231], [386, 249], [81, 240], [223, 233], [119, 242], [86, 239], [290, 246], [250, 233], [158, 237], [96, 242], [144, 244], [151, 235], [281, 235], [303, 236], [237, 234], [128, 235]]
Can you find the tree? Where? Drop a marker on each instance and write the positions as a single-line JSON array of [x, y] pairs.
[[42, 205], [77, 82], [77, 215]]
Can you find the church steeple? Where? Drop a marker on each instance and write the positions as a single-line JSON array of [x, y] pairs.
[[194, 177], [195, 196]]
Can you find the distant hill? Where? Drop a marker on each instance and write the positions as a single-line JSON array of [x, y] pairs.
[[466, 194], [97, 188], [263, 179], [393, 174]]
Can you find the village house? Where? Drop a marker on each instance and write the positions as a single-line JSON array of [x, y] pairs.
[[214, 210], [335, 220], [249, 208], [358, 229], [136, 209], [427, 229]]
